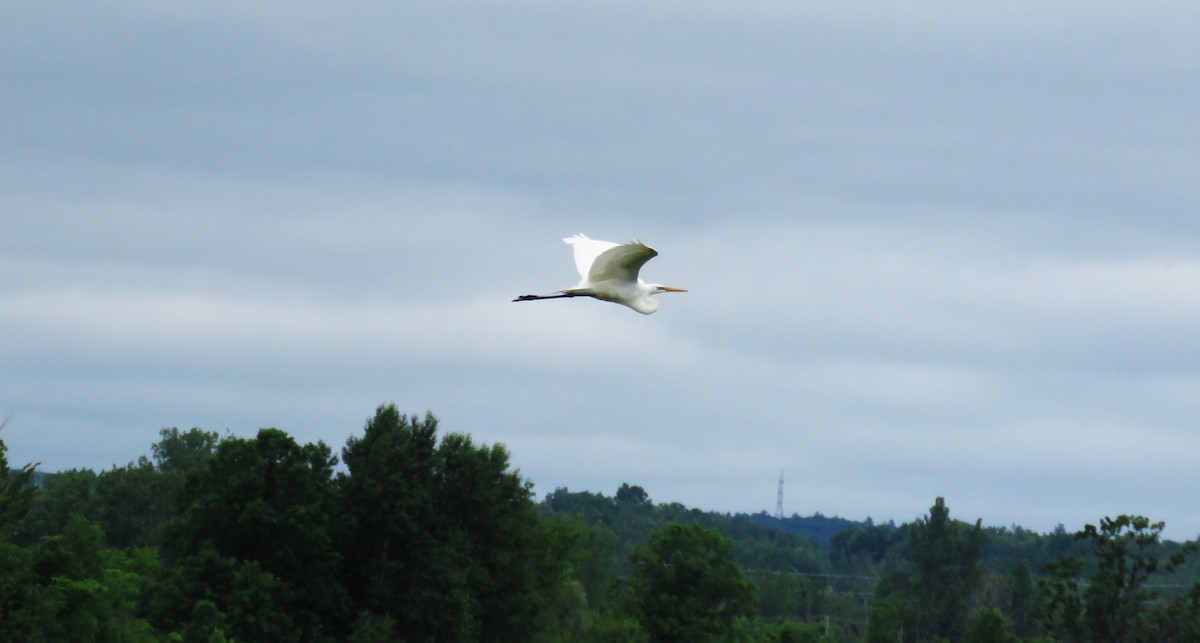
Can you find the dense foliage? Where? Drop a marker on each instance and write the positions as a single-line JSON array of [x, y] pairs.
[[414, 536]]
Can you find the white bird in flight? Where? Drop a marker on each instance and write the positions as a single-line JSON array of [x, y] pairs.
[[609, 272]]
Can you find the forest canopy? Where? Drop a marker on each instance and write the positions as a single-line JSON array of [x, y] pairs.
[[412, 534]]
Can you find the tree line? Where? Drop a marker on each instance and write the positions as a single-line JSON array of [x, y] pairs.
[[410, 534]]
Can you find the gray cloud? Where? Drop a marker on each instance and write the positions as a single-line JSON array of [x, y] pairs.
[[931, 250]]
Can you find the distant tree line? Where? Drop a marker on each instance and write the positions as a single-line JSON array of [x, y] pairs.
[[412, 535]]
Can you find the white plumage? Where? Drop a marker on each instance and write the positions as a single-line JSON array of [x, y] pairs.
[[609, 271]]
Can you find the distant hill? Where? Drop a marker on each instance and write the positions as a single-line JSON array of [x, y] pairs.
[[817, 527]]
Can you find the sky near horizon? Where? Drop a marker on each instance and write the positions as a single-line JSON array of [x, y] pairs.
[[931, 248]]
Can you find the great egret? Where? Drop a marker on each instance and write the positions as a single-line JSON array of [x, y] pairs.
[[609, 272]]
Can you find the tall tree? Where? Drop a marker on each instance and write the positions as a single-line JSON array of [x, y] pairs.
[[394, 557], [181, 452], [945, 554], [16, 492], [132, 503], [1019, 596], [443, 538], [632, 495], [60, 495], [257, 539], [16, 577], [1115, 605]]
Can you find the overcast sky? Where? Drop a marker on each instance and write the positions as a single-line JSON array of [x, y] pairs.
[[931, 248]]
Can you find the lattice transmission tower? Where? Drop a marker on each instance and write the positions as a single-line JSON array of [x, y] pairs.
[[779, 498]]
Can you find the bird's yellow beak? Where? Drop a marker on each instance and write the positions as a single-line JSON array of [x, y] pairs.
[[673, 289]]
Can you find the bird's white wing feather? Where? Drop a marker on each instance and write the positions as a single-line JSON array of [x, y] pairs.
[[621, 263], [586, 251]]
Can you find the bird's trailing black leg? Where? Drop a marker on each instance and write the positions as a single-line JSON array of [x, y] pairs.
[[557, 295]]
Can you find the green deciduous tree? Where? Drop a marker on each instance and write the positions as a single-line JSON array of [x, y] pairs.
[[83, 591], [396, 563], [18, 592], [257, 538], [565, 600], [928, 599], [131, 503], [443, 539], [1019, 586], [61, 495], [861, 549], [685, 586], [1114, 604], [16, 577], [16, 492], [886, 620], [989, 625], [632, 495], [182, 452]]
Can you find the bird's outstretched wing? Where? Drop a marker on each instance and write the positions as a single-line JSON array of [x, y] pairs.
[[621, 263], [586, 250]]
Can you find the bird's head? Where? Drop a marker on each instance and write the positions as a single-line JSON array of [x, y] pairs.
[[643, 302]]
